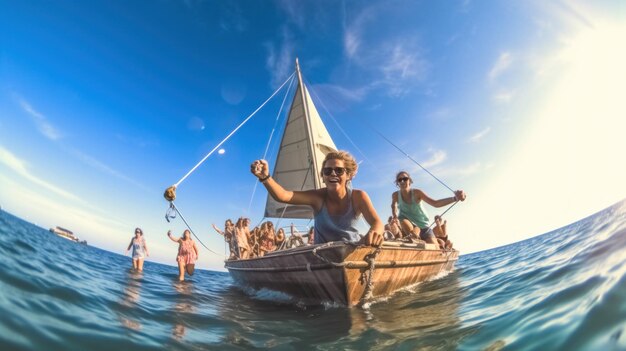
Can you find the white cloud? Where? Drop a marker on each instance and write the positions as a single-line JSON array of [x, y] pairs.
[[404, 65], [570, 162], [20, 167], [351, 43], [479, 136], [295, 12], [280, 60], [354, 31], [455, 172], [502, 64], [503, 96], [392, 61], [100, 166], [40, 120], [437, 157]]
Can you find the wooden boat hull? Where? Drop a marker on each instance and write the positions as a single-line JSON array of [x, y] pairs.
[[338, 272]]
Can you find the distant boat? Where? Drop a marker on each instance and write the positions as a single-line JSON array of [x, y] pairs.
[[340, 272], [67, 234]]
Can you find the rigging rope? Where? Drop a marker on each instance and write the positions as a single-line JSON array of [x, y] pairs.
[[173, 207], [409, 156], [170, 193], [233, 132], [271, 136], [390, 142], [338, 125]]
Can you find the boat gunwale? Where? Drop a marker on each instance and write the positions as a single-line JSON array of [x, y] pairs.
[[233, 265]]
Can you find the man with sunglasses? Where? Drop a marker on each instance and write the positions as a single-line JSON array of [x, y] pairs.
[[406, 205], [337, 207]]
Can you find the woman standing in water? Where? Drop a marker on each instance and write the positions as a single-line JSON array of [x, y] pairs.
[[140, 249], [187, 253]]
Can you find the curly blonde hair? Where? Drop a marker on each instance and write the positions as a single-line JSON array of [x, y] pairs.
[[348, 161]]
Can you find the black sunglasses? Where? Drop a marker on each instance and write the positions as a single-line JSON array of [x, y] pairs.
[[329, 170], [403, 179]]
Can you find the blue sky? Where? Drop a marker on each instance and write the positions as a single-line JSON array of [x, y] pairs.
[[103, 104]]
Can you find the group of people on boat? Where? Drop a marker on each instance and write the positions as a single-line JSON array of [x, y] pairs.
[[337, 207], [244, 242]]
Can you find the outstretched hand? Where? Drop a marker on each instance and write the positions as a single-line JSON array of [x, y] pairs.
[[260, 169], [460, 195]]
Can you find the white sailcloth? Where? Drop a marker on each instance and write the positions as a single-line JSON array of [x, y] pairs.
[[303, 147]]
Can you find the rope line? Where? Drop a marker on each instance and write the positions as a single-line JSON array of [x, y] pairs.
[[337, 124], [368, 294], [172, 206], [231, 133], [409, 156], [256, 184]]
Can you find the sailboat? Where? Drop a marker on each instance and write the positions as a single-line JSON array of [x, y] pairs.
[[336, 272]]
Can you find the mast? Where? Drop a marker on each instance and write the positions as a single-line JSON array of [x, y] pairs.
[[307, 118]]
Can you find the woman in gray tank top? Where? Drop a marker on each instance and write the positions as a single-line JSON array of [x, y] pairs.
[[337, 207], [140, 249]]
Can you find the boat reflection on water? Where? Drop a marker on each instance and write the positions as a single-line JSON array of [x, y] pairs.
[[423, 316]]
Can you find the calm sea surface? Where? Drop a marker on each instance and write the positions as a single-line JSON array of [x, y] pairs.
[[565, 290]]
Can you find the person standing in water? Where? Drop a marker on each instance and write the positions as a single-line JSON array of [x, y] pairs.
[[140, 249], [187, 253]]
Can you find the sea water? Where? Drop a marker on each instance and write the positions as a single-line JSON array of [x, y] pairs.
[[564, 290]]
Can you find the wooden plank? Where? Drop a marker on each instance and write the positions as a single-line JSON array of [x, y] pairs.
[[301, 274]]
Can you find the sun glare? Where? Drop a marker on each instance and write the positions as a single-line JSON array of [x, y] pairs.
[[571, 161]]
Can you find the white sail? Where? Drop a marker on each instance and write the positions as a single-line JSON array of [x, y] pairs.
[[303, 147]]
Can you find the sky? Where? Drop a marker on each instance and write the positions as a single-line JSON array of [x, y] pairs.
[[104, 104]]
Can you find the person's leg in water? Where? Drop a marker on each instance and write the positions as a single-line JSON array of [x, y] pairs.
[[140, 264], [181, 270]]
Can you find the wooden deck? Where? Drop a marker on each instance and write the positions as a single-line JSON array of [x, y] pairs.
[[338, 272]]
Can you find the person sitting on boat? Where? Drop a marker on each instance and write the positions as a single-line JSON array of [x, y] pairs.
[[241, 237], [392, 229], [280, 238], [406, 205], [267, 238], [336, 207], [254, 241], [295, 239], [229, 236], [441, 233], [187, 253], [140, 249], [311, 236]]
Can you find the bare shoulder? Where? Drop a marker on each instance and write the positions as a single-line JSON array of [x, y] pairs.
[[360, 195], [394, 196]]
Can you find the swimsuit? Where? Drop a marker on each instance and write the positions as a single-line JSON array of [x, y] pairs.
[[139, 248], [336, 227], [414, 212], [186, 253]]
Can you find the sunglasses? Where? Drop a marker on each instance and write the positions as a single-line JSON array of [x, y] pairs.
[[329, 170], [403, 179]]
